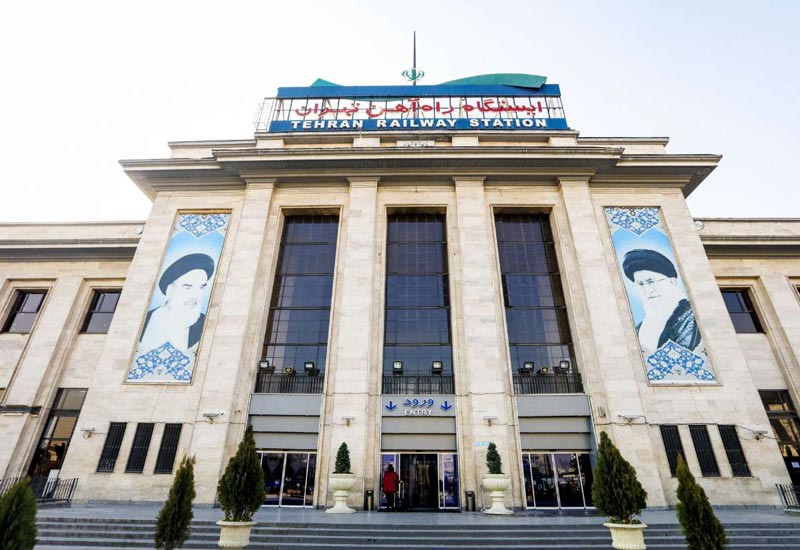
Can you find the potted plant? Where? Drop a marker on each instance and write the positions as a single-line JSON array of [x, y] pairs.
[[174, 522], [18, 517], [618, 494], [341, 481], [496, 482], [702, 529], [241, 493]]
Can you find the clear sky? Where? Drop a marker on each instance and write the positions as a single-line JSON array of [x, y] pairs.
[[85, 84]]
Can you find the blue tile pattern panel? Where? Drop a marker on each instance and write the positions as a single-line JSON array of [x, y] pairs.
[[672, 345], [173, 326]]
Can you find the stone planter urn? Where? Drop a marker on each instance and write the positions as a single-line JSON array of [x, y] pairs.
[[341, 485], [497, 485], [627, 536], [234, 534]]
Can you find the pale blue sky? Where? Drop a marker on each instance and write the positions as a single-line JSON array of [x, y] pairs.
[[89, 83]]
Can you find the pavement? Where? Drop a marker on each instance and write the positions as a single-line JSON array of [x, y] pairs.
[[311, 516]]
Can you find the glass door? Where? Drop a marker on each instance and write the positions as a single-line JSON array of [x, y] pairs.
[[557, 480], [428, 481], [288, 478], [448, 481]]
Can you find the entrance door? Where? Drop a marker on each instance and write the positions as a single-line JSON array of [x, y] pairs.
[[428, 481], [289, 478]]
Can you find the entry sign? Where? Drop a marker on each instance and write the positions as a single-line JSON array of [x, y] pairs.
[[419, 405]]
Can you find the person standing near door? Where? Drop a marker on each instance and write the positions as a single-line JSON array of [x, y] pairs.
[[390, 483]]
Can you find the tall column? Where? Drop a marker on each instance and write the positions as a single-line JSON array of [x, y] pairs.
[[610, 373], [786, 329], [484, 377], [34, 377], [353, 370], [228, 379]]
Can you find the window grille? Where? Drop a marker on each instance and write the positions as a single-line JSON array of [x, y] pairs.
[[704, 450], [733, 448], [168, 449], [141, 444], [672, 445], [108, 458], [24, 310]]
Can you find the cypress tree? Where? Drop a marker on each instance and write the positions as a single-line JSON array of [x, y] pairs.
[[241, 487], [175, 518], [18, 517], [700, 525], [616, 491], [342, 465], [493, 460]]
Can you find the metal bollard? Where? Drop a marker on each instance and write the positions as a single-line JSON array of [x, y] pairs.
[[470, 501], [369, 500]]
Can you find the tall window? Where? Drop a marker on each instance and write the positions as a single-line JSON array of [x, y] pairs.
[[704, 450], [734, 451], [139, 448], [101, 311], [108, 458], [24, 310], [672, 445], [417, 328], [786, 425], [741, 310], [536, 314], [300, 309], [53, 444]]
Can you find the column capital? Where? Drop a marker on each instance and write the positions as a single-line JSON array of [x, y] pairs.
[[469, 181], [573, 181], [365, 181], [260, 182]]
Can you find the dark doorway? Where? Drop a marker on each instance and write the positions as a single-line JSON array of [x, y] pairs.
[[419, 474]]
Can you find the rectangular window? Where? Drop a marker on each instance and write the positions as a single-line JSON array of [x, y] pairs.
[[733, 448], [704, 450], [141, 444], [169, 447], [108, 458], [300, 307], [672, 445], [786, 426], [24, 309], [57, 434], [741, 310], [417, 322], [101, 311], [539, 337]]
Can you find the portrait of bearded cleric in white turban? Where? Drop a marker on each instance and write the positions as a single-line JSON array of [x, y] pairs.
[[667, 312], [179, 320]]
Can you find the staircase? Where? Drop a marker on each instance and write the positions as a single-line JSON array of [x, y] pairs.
[[101, 534]]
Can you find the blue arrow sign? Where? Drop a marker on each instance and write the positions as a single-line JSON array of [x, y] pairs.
[[391, 406], [445, 406]]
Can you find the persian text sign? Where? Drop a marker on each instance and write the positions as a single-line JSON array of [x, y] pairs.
[[414, 113]]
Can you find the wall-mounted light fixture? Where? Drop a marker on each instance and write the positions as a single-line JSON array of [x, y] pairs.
[[437, 367], [526, 368], [264, 366], [310, 368], [490, 420], [397, 367], [348, 419], [289, 371], [564, 366], [543, 371]]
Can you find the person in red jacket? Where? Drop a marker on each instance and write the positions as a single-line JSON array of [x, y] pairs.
[[390, 483]]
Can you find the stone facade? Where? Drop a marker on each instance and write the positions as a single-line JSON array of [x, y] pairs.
[[468, 176]]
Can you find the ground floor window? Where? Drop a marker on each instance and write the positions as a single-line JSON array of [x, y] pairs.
[[557, 480], [289, 478]]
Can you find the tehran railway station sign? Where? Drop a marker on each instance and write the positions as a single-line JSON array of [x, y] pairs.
[[488, 102]]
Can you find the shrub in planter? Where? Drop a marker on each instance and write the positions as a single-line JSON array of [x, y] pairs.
[[342, 460], [493, 460], [241, 487], [18, 517], [700, 525], [174, 522], [617, 493]]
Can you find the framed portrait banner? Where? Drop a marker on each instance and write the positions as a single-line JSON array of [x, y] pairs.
[[167, 347], [666, 326]]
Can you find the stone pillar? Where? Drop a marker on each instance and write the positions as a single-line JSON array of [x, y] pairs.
[[230, 374], [353, 372], [482, 373], [606, 364], [785, 328], [35, 380]]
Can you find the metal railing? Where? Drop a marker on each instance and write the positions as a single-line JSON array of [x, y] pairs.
[[278, 382], [790, 496], [418, 384], [568, 382], [45, 490]]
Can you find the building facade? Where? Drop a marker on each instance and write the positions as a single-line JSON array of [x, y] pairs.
[[416, 284]]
